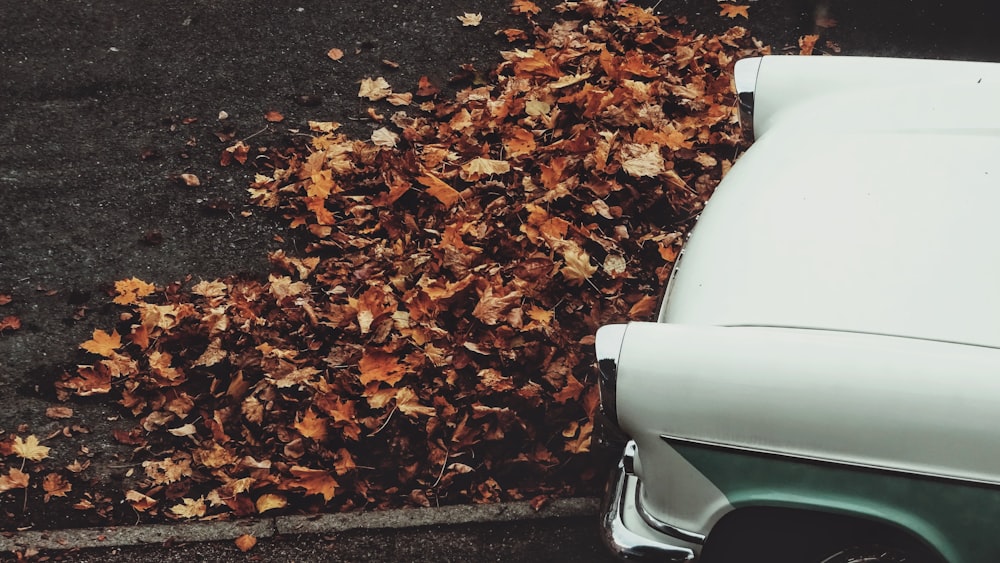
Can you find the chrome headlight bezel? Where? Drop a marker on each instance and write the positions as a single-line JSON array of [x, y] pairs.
[[745, 80], [608, 345]]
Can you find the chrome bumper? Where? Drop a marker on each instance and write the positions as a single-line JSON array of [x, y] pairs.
[[626, 543]]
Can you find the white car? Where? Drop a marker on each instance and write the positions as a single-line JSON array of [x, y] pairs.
[[823, 381]]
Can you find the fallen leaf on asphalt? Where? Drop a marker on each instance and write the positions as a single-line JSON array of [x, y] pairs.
[[14, 479], [469, 19], [139, 501], [131, 290], [102, 343], [374, 89], [55, 485], [58, 412], [732, 10], [335, 54], [5, 298], [10, 322], [274, 116], [246, 542], [190, 180], [30, 448]]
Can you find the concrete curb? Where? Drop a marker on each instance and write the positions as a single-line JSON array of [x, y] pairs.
[[121, 536]]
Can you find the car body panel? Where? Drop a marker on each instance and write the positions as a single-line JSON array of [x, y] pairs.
[[859, 92], [884, 246], [956, 519], [778, 390]]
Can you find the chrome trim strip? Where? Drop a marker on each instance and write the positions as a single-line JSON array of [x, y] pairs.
[[745, 78], [661, 526], [608, 345], [625, 543], [800, 458]]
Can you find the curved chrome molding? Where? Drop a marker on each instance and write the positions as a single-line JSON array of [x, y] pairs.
[[661, 526], [625, 543], [607, 345], [745, 77]]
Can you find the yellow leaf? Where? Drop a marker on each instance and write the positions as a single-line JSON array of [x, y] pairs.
[[270, 501], [642, 160], [102, 343], [30, 448], [578, 267], [131, 290], [469, 19], [479, 167], [374, 89], [191, 508], [383, 137]]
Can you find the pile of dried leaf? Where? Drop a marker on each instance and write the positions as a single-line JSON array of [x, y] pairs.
[[432, 343]]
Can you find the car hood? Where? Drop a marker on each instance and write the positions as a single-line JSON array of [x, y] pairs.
[[853, 225]]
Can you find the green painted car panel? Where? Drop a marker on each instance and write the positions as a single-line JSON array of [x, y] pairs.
[[956, 518]]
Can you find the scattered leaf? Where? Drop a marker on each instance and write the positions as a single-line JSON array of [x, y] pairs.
[[246, 542], [374, 89], [732, 10], [55, 485], [102, 343], [469, 19], [30, 448], [132, 290]]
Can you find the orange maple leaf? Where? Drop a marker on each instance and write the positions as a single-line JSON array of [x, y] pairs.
[[131, 290], [102, 343], [579, 437], [14, 479], [807, 43], [55, 485], [312, 426], [524, 7], [732, 10], [439, 189], [312, 481], [378, 365]]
